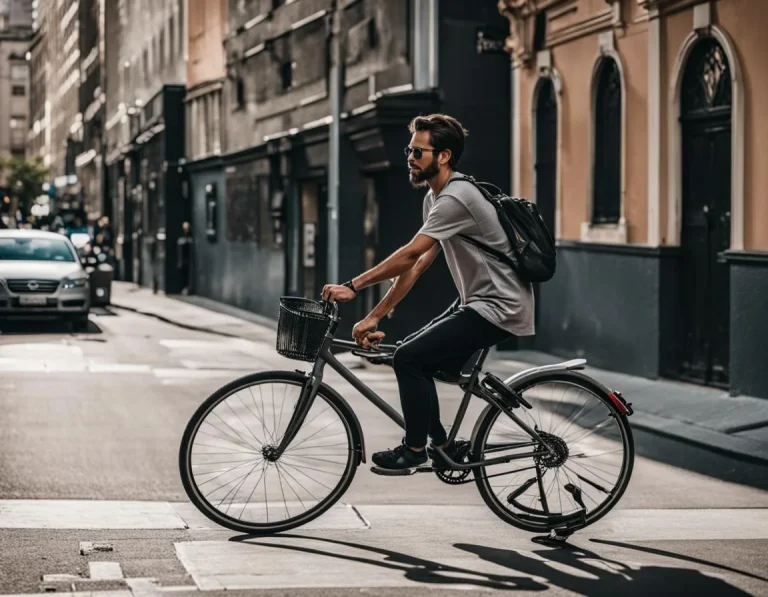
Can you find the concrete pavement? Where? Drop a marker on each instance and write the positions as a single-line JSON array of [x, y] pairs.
[[705, 417]]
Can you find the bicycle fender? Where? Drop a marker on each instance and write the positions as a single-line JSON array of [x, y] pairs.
[[521, 379], [357, 429]]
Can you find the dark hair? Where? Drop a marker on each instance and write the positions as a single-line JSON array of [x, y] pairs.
[[445, 132]]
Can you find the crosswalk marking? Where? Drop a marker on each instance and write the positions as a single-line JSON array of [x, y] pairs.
[[87, 514], [105, 571]]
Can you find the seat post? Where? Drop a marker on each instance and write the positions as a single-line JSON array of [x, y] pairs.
[[481, 359]]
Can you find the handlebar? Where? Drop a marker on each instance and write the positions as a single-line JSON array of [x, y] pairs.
[[332, 309], [329, 307]]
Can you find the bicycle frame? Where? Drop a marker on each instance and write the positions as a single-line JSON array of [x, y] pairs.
[[467, 382]]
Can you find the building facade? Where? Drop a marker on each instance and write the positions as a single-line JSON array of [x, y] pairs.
[[15, 35], [63, 39], [144, 133], [636, 132], [39, 133], [264, 218], [91, 100]]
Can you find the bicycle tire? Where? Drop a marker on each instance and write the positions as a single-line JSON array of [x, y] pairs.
[[185, 454], [491, 413]]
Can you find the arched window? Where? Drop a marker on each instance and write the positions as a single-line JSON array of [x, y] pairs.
[[606, 200], [707, 79]]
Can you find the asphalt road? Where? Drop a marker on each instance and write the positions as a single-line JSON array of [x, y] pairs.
[[98, 416]]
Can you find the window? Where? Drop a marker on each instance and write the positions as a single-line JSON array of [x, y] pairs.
[[161, 57], [239, 92], [277, 3], [540, 31], [607, 165], [18, 72], [171, 38], [18, 90], [211, 202], [286, 75]]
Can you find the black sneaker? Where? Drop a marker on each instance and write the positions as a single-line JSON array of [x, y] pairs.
[[455, 450], [401, 457]]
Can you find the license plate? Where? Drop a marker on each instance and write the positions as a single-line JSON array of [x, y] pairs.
[[31, 300]]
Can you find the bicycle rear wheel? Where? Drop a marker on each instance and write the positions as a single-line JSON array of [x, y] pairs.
[[227, 459], [584, 478]]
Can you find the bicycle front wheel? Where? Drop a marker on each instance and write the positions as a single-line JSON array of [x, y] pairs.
[[585, 475], [227, 459]]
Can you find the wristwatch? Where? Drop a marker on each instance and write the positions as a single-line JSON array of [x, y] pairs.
[[350, 285]]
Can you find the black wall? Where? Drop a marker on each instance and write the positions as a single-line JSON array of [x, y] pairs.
[[749, 323], [603, 304], [476, 87], [235, 273]]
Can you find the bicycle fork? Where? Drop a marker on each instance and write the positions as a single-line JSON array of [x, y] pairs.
[[302, 408]]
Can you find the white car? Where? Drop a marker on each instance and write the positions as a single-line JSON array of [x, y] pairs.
[[41, 275]]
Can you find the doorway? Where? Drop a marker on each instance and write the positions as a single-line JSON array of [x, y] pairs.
[[545, 167], [546, 153], [312, 253], [706, 215]]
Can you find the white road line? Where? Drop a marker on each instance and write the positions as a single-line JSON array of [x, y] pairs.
[[197, 373], [87, 514], [119, 368], [627, 525], [105, 571], [122, 593], [61, 577]]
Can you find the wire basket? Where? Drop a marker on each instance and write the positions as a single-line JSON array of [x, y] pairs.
[[301, 328]]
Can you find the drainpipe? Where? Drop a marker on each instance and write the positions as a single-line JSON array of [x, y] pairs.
[[425, 44], [336, 91]]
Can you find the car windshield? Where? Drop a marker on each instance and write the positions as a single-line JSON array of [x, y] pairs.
[[35, 249]]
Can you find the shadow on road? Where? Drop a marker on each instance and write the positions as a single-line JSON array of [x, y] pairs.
[[16, 327], [567, 567]]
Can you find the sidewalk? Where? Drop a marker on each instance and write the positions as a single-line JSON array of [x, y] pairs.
[[706, 417]]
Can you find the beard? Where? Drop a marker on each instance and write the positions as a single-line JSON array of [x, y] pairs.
[[419, 178]]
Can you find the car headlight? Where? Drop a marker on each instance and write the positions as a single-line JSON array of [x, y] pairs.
[[74, 282]]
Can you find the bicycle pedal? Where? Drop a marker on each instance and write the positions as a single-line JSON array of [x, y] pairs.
[[401, 472]]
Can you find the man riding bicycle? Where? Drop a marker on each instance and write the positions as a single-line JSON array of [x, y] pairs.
[[494, 303]]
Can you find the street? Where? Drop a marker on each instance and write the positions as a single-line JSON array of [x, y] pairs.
[[91, 499]]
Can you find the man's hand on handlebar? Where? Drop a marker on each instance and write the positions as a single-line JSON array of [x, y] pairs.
[[337, 292], [365, 334]]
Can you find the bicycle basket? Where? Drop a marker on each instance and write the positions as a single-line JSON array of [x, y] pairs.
[[301, 328]]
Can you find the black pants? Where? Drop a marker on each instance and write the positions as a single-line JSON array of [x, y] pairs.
[[445, 344]]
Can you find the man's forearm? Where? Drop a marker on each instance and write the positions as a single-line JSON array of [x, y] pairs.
[[393, 266], [396, 293]]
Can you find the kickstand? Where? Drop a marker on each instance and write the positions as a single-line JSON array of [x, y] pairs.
[[556, 537]]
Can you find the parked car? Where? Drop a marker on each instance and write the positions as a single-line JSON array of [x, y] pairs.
[[41, 275]]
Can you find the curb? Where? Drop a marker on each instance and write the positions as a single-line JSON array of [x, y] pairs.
[[174, 322], [739, 448]]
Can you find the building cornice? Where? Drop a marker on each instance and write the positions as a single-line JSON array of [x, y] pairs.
[[522, 13]]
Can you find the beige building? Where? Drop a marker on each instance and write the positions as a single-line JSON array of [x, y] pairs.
[[206, 76], [637, 130], [14, 85]]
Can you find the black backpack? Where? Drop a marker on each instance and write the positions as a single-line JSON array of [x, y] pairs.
[[533, 247]]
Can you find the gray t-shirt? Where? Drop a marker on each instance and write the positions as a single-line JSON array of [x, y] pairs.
[[485, 284]]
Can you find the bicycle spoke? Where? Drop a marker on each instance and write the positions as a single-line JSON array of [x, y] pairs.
[[581, 431], [228, 463]]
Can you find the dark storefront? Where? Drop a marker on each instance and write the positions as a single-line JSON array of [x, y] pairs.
[[147, 193]]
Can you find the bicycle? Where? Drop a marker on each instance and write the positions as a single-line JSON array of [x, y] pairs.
[[322, 442]]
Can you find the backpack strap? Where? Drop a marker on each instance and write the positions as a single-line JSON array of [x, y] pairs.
[[487, 194], [490, 250]]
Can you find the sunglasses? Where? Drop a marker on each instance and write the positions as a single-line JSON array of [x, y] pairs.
[[418, 151]]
